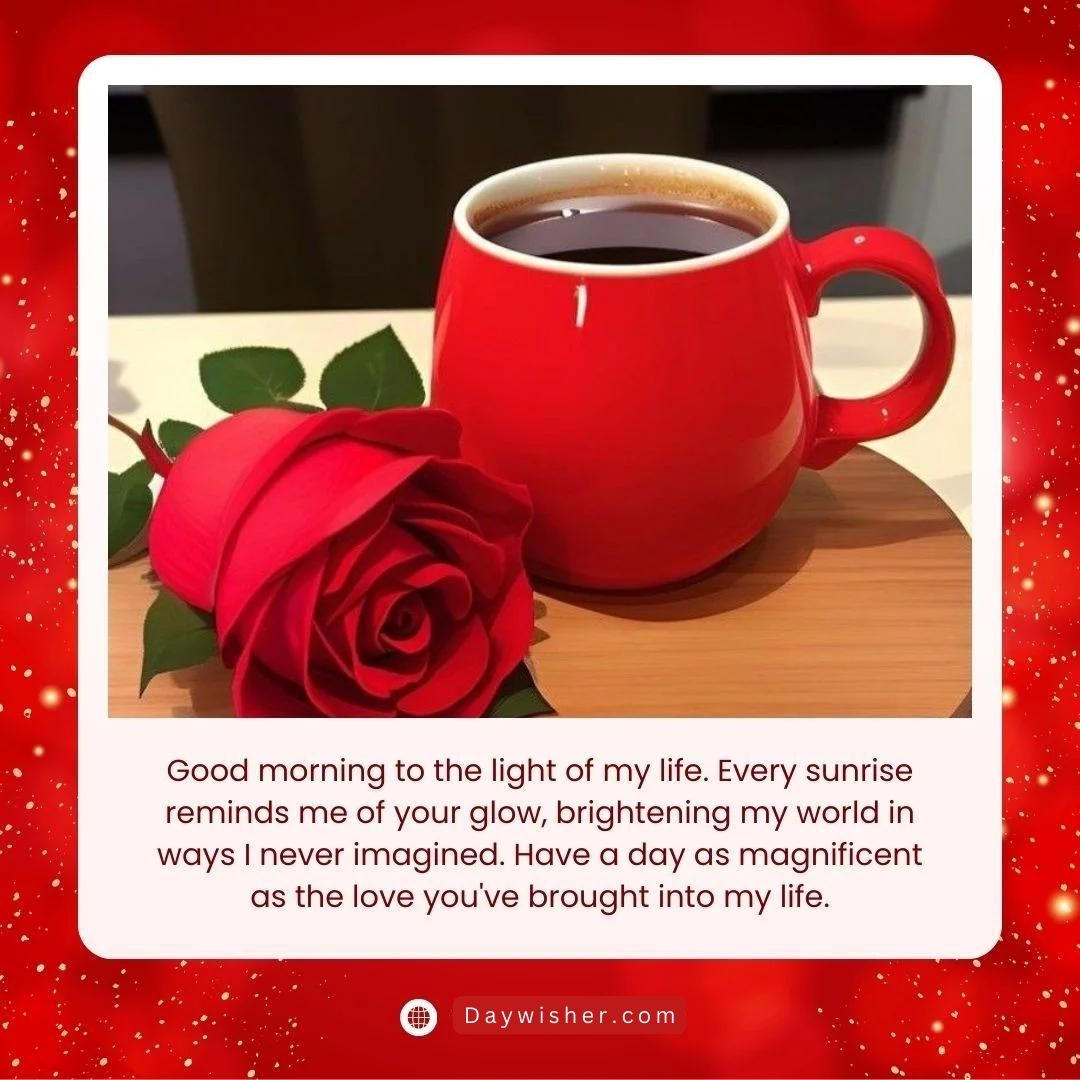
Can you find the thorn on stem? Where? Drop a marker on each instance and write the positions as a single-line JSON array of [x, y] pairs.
[[148, 446]]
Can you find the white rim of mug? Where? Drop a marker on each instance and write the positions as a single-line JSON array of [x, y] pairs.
[[574, 170]]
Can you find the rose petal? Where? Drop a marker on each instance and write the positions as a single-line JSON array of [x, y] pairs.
[[482, 561], [423, 430], [383, 680], [414, 427], [185, 526], [349, 546], [502, 508], [225, 467], [413, 502], [332, 693], [380, 674], [412, 640], [456, 667], [367, 617], [328, 653], [374, 638], [337, 696], [300, 508], [286, 648], [509, 635], [231, 645], [280, 634], [392, 549], [375, 610], [212, 486], [451, 584], [256, 691]]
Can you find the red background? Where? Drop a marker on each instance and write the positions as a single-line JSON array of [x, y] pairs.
[[65, 1012]]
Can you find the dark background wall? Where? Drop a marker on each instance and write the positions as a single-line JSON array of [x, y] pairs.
[[304, 198]]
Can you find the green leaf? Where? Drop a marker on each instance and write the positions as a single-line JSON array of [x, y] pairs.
[[245, 378], [300, 406], [518, 696], [139, 473], [376, 373], [175, 635], [130, 503], [174, 435]]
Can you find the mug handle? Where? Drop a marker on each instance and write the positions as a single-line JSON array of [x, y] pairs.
[[843, 422]]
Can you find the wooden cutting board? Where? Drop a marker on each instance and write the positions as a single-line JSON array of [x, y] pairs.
[[856, 601]]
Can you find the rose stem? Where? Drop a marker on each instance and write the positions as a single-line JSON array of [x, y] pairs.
[[155, 457]]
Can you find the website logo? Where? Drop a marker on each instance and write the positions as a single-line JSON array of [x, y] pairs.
[[418, 1017]]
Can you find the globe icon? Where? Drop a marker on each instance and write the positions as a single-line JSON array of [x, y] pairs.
[[418, 1017]]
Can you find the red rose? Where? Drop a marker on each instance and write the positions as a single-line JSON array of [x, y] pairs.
[[354, 565]]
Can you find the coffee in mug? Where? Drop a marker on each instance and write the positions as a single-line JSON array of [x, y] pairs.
[[620, 230]]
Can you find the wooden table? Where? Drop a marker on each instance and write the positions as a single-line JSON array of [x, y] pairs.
[[856, 600]]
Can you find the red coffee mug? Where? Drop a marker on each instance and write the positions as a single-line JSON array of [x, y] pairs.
[[658, 413]]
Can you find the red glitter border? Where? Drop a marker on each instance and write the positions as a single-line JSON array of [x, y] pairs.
[[65, 1012]]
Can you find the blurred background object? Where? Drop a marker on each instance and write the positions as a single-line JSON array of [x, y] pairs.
[[269, 198]]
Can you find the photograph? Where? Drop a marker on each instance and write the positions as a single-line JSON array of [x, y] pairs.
[[519, 400]]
